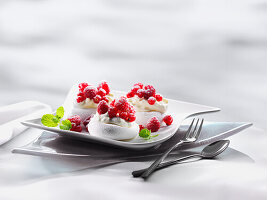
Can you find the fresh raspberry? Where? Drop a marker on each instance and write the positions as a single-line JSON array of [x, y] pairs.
[[82, 86], [130, 94], [149, 91], [105, 99], [168, 120], [112, 112], [102, 107], [131, 109], [105, 86], [131, 117], [113, 103], [158, 97], [141, 127], [140, 93], [150, 87], [151, 100], [122, 104], [153, 124], [77, 128], [124, 115], [101, 92], [97, 99], [90, 92], [80, 97], [141, 85], [76, 119], [135, 88], [87, 120]]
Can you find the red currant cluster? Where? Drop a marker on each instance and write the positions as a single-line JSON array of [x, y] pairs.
[[154, 124], [147, 92], [96, 94], [118, 108]]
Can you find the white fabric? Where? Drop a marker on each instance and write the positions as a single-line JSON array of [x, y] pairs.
[[233, 175], [12, 115]]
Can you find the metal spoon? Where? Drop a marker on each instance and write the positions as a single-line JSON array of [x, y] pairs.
[[209, 151]]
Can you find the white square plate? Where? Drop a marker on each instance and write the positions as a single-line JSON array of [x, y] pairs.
[[178, 109]]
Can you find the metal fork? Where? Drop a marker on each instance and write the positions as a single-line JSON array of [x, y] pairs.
[[190, 136]]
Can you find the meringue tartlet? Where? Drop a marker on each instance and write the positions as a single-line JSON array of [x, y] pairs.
[[88, 98], [114, 121], [147, 103]]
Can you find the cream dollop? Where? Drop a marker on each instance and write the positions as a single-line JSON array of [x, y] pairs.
[[115, 120], [141, 105], [89, 103], [115, 128]]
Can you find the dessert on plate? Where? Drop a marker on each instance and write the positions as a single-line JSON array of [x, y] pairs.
[[88, 97], [114, 121], [147, 103]]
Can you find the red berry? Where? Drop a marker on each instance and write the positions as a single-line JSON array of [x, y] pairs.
[[122, 104], [105, 86], [168, 120], [135, 88], [150, 87], [124, 115], [102, 107], [87, 120], [97, 99], [153, 124], [76, 119], [101, 92], [149, 91], [80, 97], [90, 92], [141, 85], [113, 103], [151, 100], [131, 109], [82, 86], [77, 128], [112, 112], [141, 127], [130, 94], [158, 97], [140, 93], [105, 99], [131, 117]]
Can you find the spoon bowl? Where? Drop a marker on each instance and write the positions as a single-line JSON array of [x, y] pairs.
[[214, 148], [208, 152]]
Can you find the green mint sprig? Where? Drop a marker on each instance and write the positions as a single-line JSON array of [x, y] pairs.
[[50, 120], [146, 134]]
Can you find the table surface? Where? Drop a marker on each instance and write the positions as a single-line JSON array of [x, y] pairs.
[[206, 52]]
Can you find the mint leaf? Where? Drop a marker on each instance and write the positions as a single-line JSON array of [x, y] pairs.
[[55, 119], [65, 125], [60, 112], [48, 120], [145, 133]]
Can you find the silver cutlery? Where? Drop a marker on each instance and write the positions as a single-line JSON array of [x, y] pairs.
[[191, 135], [210, 151]]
